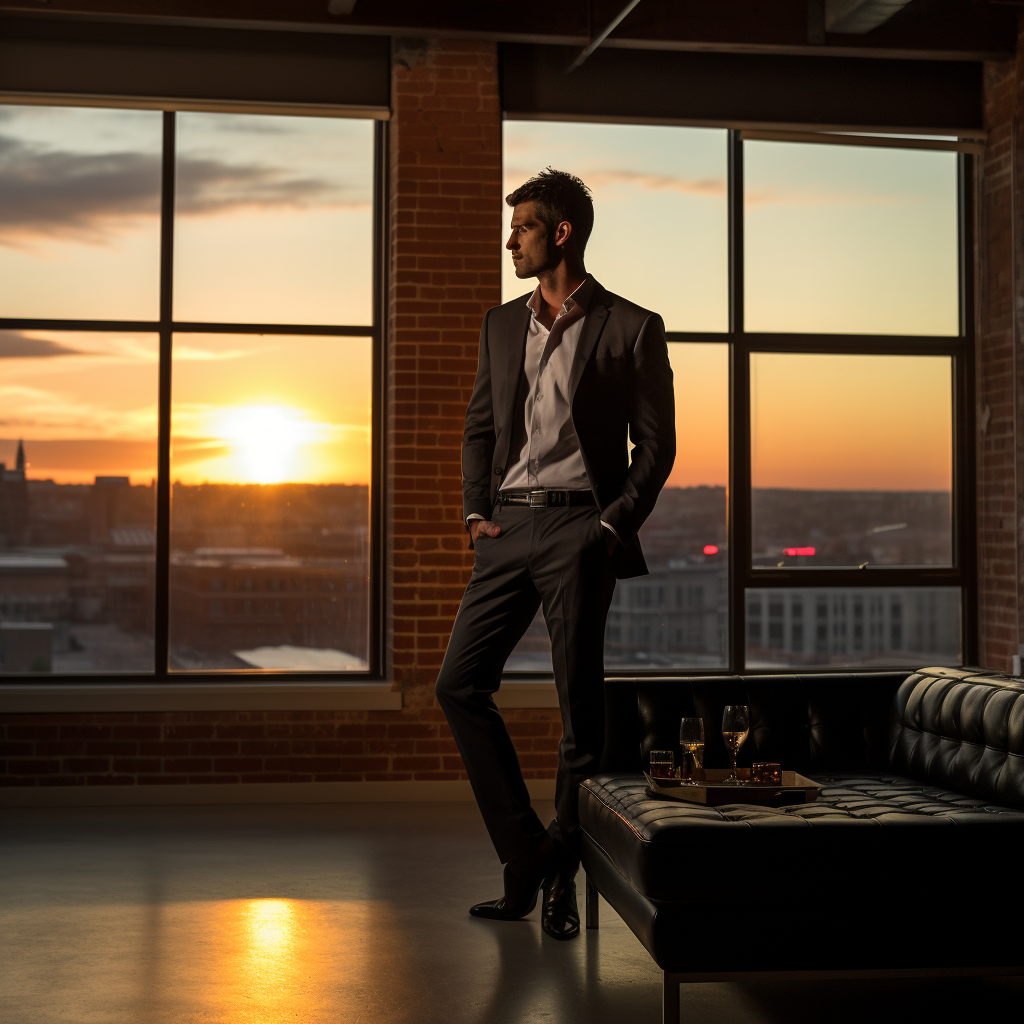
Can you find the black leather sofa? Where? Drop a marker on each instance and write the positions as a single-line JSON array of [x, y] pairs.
[[908, 862]]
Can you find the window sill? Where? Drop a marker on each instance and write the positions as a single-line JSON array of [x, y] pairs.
[[45, 698]]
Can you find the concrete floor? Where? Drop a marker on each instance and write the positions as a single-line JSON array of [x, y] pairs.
[[343, 914]]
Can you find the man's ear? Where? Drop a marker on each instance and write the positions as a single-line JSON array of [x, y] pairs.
[[563, 230]]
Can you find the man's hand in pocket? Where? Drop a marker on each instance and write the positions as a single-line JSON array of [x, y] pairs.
[[485, 527]]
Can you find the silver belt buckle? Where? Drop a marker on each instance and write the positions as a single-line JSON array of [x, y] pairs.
[[537, 499]]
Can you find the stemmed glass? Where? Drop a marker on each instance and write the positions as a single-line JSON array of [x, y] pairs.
[[735, 729], [691, 739]]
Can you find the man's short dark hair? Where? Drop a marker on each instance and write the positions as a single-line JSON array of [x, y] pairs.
[[559, 196]]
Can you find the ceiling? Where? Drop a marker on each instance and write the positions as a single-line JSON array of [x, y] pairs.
[[927, 29]]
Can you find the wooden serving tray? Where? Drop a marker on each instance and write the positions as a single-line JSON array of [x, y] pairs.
[[795, 789]]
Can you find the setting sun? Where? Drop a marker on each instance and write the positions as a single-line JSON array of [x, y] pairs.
[[264, 440]]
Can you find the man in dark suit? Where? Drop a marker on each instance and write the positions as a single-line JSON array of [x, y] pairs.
[[553, 500]]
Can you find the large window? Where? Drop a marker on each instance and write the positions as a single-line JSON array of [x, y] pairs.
[[818, 514], [189, 318]]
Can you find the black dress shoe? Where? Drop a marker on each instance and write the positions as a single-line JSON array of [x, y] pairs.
[[523, 878], [560, 917]]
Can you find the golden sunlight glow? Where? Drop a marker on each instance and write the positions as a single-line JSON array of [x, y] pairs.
[[269, 926], [265, 440]]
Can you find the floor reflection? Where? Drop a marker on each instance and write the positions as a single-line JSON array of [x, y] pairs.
[[332, 915], [267, 961]]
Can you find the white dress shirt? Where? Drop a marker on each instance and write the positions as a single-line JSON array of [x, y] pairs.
[[548, 450]]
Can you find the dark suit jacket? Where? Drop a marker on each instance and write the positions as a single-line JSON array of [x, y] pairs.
[[621, 384]]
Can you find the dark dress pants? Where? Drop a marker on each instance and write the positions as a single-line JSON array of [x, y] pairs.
[[557, 558]]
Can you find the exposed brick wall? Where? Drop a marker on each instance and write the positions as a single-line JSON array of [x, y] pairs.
[[997, 588], [445, 184], [251, 746], [1017, 229]]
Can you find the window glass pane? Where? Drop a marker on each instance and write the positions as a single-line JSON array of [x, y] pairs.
[[659, 211], [675, 617], [79, 213], [270, 503], [822, 626], [851, 459], [78, 427], [274, 219], [850, 239]]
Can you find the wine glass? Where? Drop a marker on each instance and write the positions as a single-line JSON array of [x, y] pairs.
[[691, 739], [735, 729]]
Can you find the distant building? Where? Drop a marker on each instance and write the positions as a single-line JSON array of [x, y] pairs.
[[822, 626], [14, 507], [671, 615], [228, 599], [34, 588]]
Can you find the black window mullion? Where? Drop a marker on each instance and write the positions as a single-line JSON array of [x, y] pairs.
[[161, 649], [738, 496], [964, 484], [377, 595], [850, 576], [220, 327], [856, 344]]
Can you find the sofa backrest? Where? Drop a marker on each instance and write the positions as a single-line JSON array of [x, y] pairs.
[[806, 721], [962, 729]]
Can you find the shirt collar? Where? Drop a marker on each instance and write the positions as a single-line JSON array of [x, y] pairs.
[[577, 300]]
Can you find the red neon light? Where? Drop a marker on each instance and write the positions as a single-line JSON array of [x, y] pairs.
[[710, 549], [796, 552]]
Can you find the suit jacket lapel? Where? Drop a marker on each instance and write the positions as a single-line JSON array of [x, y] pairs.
[[514, 366], [592, 326]]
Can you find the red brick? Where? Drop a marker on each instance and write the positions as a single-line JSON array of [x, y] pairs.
[[187, 764]]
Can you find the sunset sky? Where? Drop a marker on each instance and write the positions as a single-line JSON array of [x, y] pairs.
[[838, 239], [274, 225]]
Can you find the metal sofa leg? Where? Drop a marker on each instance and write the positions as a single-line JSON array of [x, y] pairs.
[[592, 915], [670, 999]]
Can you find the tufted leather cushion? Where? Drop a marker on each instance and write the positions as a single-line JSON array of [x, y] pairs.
[[867, 836], [962, 730]]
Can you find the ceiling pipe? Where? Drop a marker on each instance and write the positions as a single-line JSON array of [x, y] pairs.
[[858, 17], [602, 36]]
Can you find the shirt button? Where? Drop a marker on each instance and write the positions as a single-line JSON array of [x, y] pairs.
[[497, 472], [539, 396]]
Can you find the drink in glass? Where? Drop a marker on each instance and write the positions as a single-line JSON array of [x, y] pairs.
[[735, 729], [662, 764], [691, 740]]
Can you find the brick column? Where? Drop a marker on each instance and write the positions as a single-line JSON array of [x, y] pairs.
[[996, 447], [445, 183], [1000, 367], [445, 196]]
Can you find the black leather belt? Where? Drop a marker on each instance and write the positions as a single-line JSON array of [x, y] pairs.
[[546, 498]]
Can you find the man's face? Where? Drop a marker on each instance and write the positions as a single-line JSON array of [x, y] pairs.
[[530, 243]]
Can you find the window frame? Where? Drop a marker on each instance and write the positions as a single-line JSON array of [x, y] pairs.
[[961, 573], [197, 687], [741, 575]]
